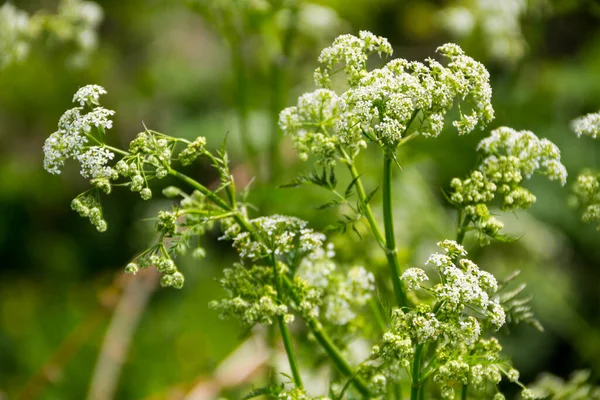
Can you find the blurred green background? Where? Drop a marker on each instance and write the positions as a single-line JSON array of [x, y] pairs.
[[211, 67]]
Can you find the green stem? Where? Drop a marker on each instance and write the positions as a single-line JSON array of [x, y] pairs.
[[202, 189], [379, 318], [463, 224], [330, 348], [388, 244], [336, 357], [116, 150], [397, 391], [215, 199], [362, 195], [285, 333], [463, 393], [390, 236], [416, 371]]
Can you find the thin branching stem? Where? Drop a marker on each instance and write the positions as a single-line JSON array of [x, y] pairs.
[[317, 330], [285, 333]]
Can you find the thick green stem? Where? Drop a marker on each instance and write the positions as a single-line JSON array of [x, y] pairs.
[[463, 393], [397, 391], [390, 236], [416, 373], [388, 244], [285, 333]]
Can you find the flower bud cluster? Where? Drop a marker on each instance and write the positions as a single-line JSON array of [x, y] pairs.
[[192, 151], [87, 205], [159, 258], [381, 105], [588, 125], [251, 295], [587, 196], [480, 364], [154, 149], [510, 157]]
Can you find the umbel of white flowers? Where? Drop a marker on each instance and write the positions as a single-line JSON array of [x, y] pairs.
[[384, 105], [323, 289], [588, 125], [464, 305], [510, 157], [587, 188]]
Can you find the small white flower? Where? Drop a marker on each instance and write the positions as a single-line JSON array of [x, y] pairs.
[[89, 95], [413, 277]]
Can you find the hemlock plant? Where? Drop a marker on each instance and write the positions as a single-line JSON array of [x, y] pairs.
[[437, 341]]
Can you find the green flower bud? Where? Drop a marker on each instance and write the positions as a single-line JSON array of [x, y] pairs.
[[177, 280], [132, 268], [166, 281], [146, 194], [171, 191]]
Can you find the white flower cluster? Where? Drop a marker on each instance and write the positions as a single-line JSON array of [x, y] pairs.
[[89, 95], [510, 157], [513, 155], [353, 52], [384, 104], [75, 130], [310, 124], [463, 284], [251, 295], [329, 292], [347, 292], [395, 352], [277, 235], [588, 125]]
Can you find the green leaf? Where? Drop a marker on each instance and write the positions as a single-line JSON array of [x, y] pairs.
[[350, 187], [370, 195], [329, 204], [263, 391]]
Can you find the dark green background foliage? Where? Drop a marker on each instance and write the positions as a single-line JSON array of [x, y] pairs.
[[172, 65]]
